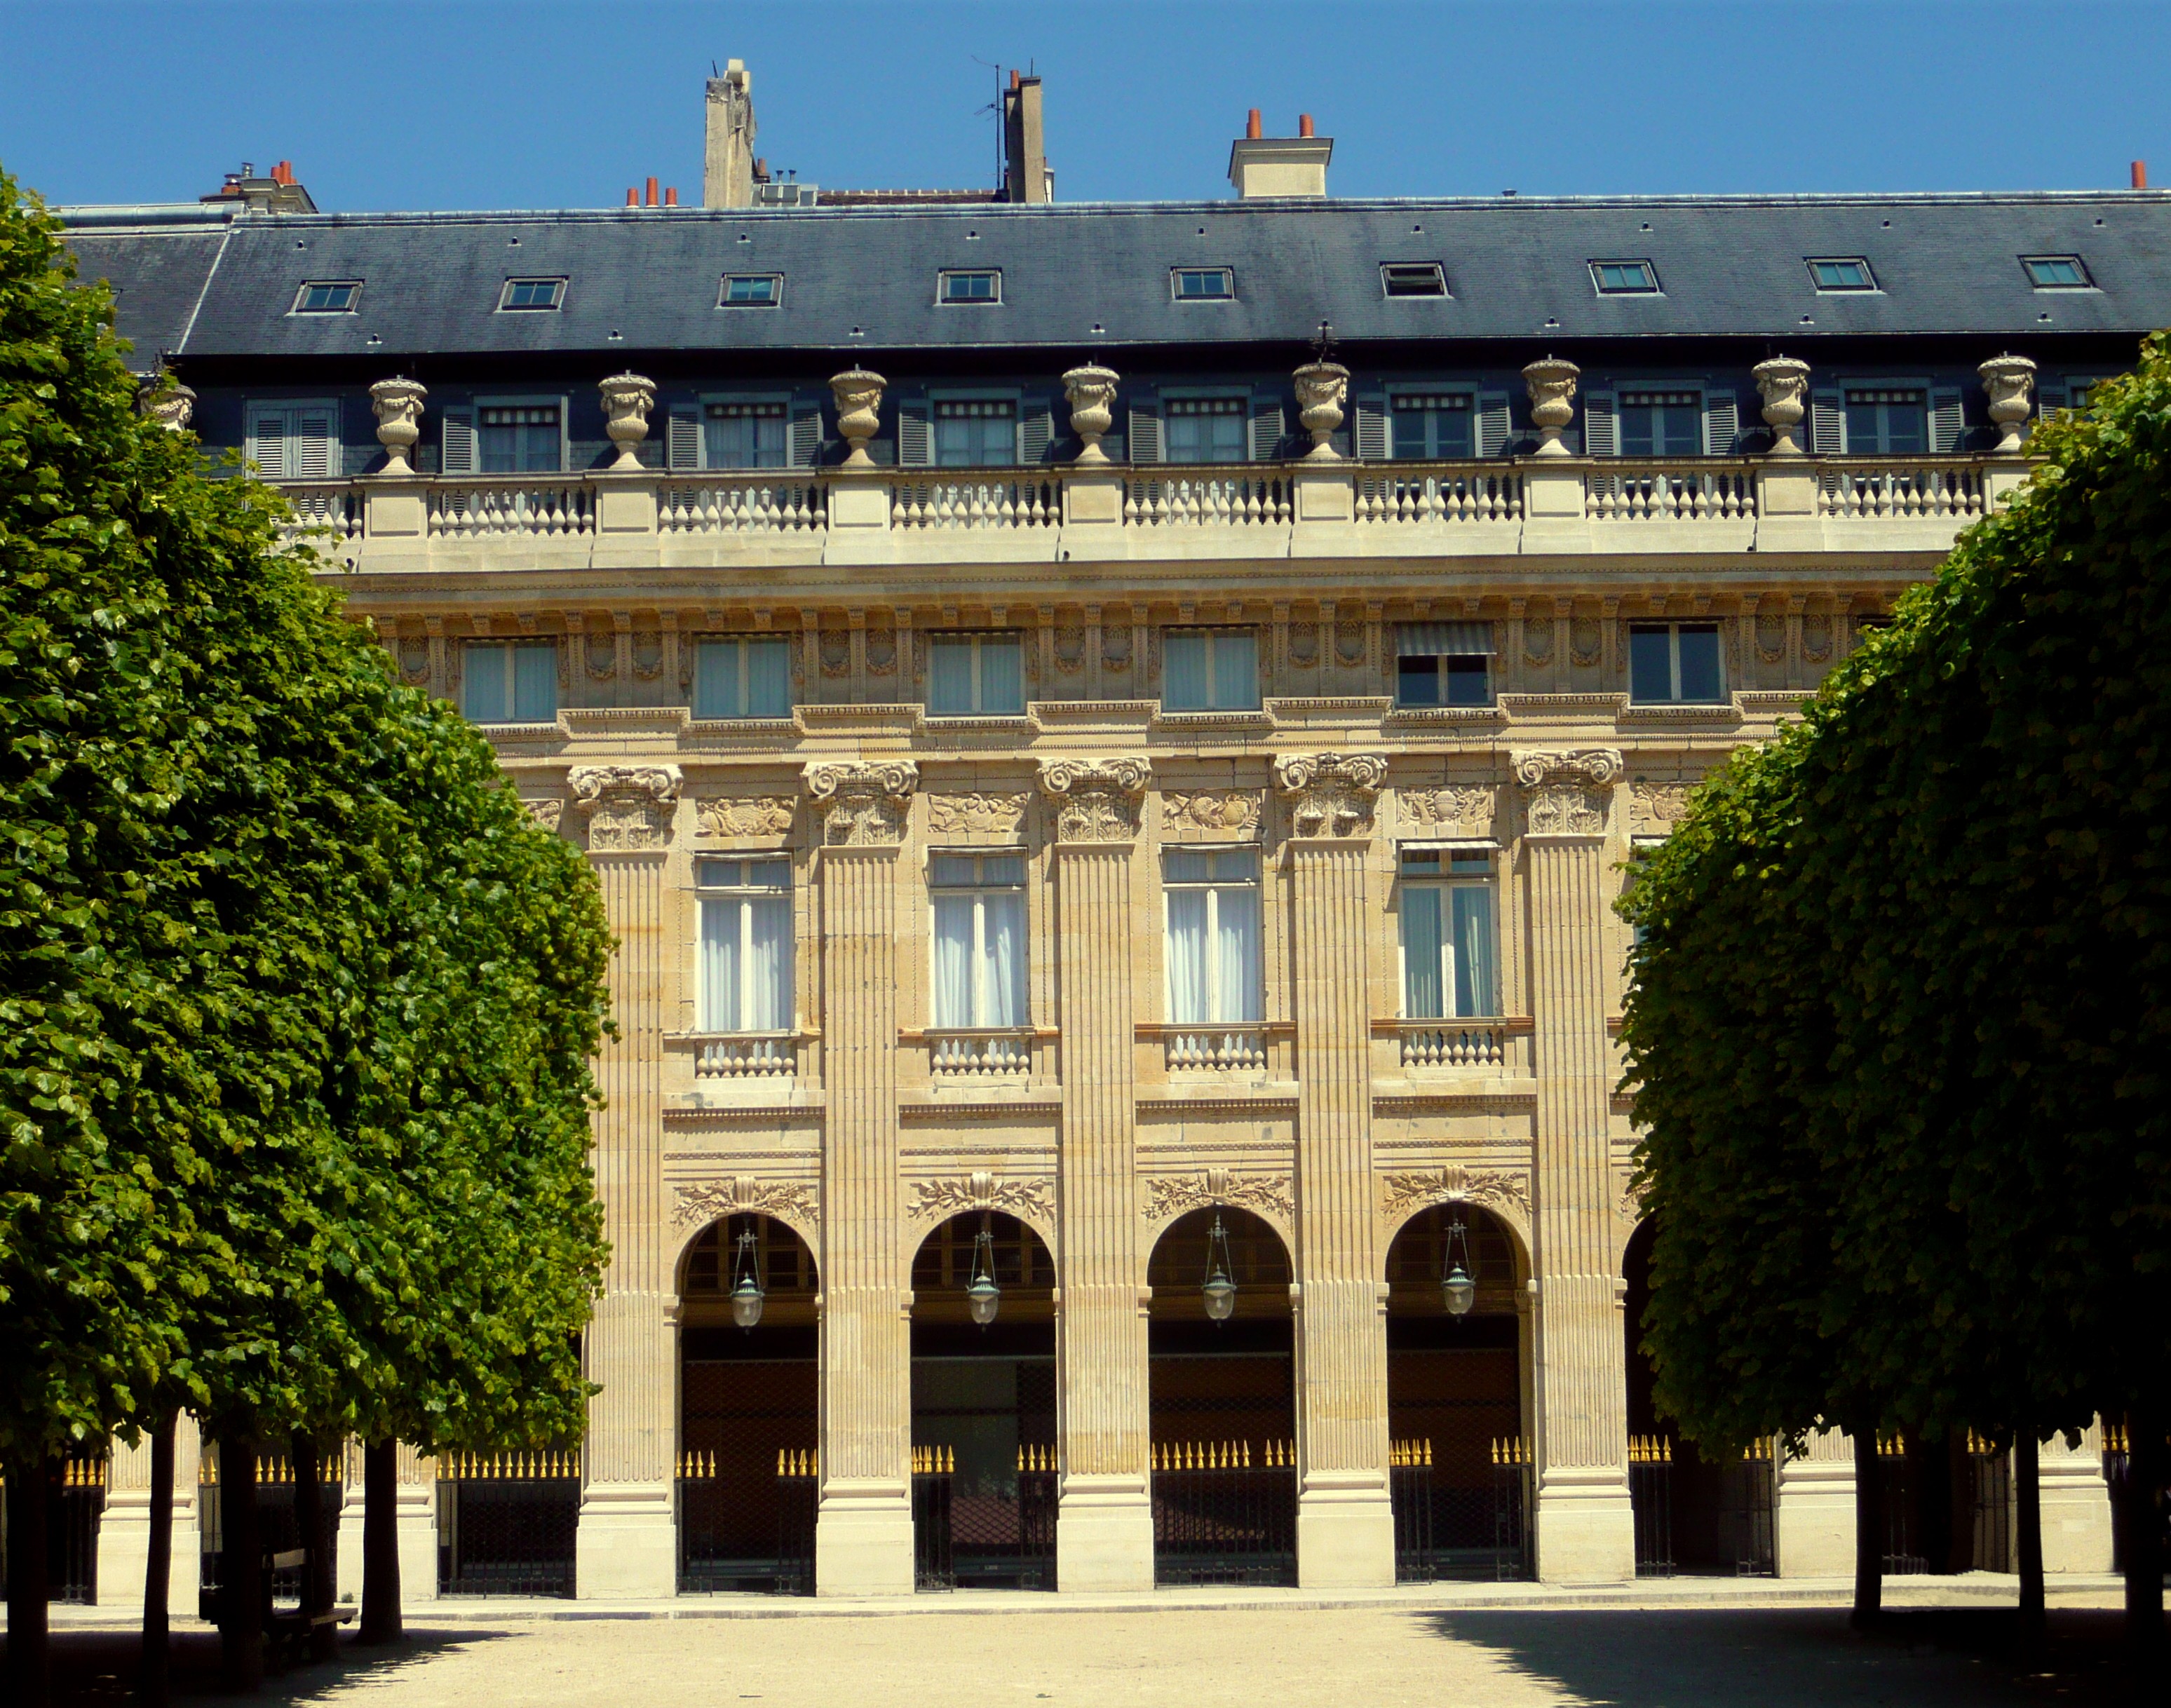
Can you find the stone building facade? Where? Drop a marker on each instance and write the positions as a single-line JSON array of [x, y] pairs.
[[1092, 801]]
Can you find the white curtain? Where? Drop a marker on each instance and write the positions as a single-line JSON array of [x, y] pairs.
[[1187, 956], [1476, 992], [720, 964], [483, 692], [950, 677], [1236, 955], [1184, 686], [769, 964], [1002, 675], [1421, 991], [1004, 985], [953, 961], [716, 680], [1235, 672], [769, 679]]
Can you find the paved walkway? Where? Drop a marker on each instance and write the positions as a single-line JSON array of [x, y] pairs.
[[1443, 1648]]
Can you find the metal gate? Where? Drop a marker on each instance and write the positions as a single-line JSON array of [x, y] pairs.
[[1651, 1495], [1224, 1511], [933, 1470], [1750, 1489], [1990, 1479], [719, 1516], [278, 1526], [1000, 1535], [1903, 1553], [1515, 1508], [507, 1523], [1445, 1528], [74, 1501]]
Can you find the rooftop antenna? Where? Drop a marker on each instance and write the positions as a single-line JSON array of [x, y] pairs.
[[995, 107], [1322, 346]]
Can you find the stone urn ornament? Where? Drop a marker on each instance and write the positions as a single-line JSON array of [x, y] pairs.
[[1091, 392], [1784, 384], [859, 395], [1322, 387], [1551, 381], [2007, 381], [167, 402], [397, 402], [627, 397]]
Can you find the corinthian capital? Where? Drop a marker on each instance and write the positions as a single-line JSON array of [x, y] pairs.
[[862, 806], [1570, 789], [1095, 800], [1330, 794], [628, 807]]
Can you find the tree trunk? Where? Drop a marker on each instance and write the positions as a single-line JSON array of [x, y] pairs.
[[29, 1661], [2027, 1522], [2144, 1536], [241, 1562], [380, 1543], [153, 1671], [1869, 1530], [309, 1518]]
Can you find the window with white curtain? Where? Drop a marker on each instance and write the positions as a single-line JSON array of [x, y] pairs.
[[975, 676], [510, 682], [979, 939], [742, 678], [746, 945], [1210, 669], [1213, 967], [1450, 941]]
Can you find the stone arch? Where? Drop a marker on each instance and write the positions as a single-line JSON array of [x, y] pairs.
[[1502, 1195], [1264, 1275], [700, 1207], [1030, 1201], [1267, 1197]]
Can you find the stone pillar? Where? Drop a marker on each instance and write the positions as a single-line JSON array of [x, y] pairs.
[[863, 1534], [1345, 1525], [1813, 1509], [1586, 1532], [2076, 1503], [628, 1542], [1104, 1527], [124, 1527]]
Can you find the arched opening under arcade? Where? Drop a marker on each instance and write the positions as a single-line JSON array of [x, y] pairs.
[[1458, 1388], [983, 1483], [749, 1411], [1222, 1374]]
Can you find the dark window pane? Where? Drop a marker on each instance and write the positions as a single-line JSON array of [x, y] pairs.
[[1649, 667], [1907, 429], [1469, 682], [1417, 682], [1699, 648]]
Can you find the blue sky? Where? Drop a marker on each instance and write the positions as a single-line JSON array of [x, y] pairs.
[[471, 104]]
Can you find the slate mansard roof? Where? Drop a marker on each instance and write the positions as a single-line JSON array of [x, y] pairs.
[[1078, 276]]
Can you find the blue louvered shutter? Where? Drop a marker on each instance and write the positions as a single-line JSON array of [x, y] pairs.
[[1948, 422], [915, 435], [1145, 433], [1601, 425], [1494, 423], [1722, 422], [1266, 429], [1827, 424], [683, 438], [456, 432]]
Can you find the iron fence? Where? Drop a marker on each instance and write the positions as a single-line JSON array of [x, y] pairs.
[[507, 1523], [1748, 1494], [1515, 1509], [1990, 1479], [278, 1524], [1450, 1530], [741, 1531], [933, 1470], [74, 1499], [2115, 1468], [1224, 1511], [1903, 1551], [1651, 1496]]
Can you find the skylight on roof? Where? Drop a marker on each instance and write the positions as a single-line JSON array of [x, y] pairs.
[[533, 293], [751, 291], [1625, 278], [977, 288], [1203, 284], [328, 297], [1413, 279], [1841, 273], [2056, 272]]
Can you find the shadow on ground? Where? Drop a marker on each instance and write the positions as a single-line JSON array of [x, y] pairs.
[[97, 1669], [1807, 1658]]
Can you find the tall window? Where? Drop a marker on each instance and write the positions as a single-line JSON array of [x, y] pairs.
[[975, 432], [520, 439], [975, 676], [742, 678], [1430, 426], [979, 939], [1451, 954], [1444, 664], [1892, 420], [1206, 430], [1213, 967], [509, 682], [746, 435], [1674, 663], [1661, 424], [1210, 669], [746, 945]]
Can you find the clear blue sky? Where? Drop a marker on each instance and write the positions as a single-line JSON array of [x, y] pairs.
[[471, 104]]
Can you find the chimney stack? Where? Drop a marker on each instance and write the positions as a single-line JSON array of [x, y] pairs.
[[2141, 174], [1262, 165], [727, 169], [1026, 176], [652, 190]]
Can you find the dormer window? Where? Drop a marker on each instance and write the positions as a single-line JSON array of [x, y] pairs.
[[1413, 278], [751, 291], [1203, 284], [1625, 278], [977, 289], [532, 294], [1842, 273], [2057, 272], [328, 297]]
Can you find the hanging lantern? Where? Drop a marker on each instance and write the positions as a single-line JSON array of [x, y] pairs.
[[747, 1295], [1458, 1290], [982, 1297], [1219, 1291]]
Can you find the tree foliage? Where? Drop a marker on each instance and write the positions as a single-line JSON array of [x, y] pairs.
[[1897, 1029]]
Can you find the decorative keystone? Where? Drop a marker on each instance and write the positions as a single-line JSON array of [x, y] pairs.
[[1551, 381], [627, 400], [1092, 391], [398, 404], [1784, 384], [859, 395], [2007, 380]]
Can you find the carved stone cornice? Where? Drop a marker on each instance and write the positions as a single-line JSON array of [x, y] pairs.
[[628, 808], [1331, 795], [863, 805], [1570, 789], [1095, 800], [1177, 1195], [1455, 1184], [745, 1195], [982, 1191]]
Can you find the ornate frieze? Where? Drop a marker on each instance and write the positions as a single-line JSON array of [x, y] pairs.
[[863, 805], [1453, 1184], [1569, 788], [1656, 805], [744, 1194], [1330, 794], [1228, 811], [1451, 808], [628, 807], [982, 1191], [1175, 1195], [977, 813], [756, 815], [1095, 800], [546, 812]]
